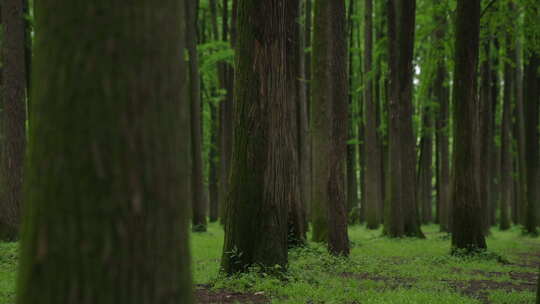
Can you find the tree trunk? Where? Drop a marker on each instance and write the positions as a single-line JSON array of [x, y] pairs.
[[531, 106], [226, 112], [213, 180], [441, 93], [507, 168], [264, 181], [381, 99], [402, 212], [373, 171], [329, 125], [521, 182], [14, 93], [352, 182], [213, 170], [467, 232], [425, 173], [304, 142], [485, 137], [197, 189], [494, 148], [109, 223]]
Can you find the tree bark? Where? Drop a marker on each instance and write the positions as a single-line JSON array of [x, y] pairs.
[[198, 205], [531, 106], [373, 170], [329, 125], [467, 232], [352, 182], [213, 179], [226, 111], [14, 94], [402, 212], [304, 142], [264, 181], [425, 173], [494, 148], [441, 93], [485, 138], [507, 168], [108, 224]]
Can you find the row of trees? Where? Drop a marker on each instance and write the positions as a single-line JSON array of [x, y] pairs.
[[119, 122]]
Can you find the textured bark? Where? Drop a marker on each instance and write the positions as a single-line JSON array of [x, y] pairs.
[[304, 142], [485, 137], [531, 106], [329, 125], [308, 14], [14, 88], [109, 223], [507, 168], [198, 205], [362, 164], [519, 127], [467, 232], [226, 111], [441, 94], [402, 213], [373, 170], [494, 148], [213, 169], [352, 182], [381, 99], [213, 181], [264, 169], [425, 173]]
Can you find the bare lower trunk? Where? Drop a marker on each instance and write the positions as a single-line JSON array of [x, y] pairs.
[[329, 125], [466, 225], [14, 93]]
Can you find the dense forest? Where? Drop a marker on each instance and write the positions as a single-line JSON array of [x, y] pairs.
[[269, 151]]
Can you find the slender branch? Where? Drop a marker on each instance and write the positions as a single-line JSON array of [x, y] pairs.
[[487, 7]]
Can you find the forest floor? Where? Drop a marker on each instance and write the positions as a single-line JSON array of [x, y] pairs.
[[379, 270]]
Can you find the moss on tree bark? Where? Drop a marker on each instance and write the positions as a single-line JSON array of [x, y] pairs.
[[106, 189]]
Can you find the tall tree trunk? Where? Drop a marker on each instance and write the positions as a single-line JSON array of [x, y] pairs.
[[494, 147], [226, 111], [213, 170], [307, 62], [467, 232], [352, 182], [531, 106], [441, 93], [521, 139], [264, 170], [198, 205], [373, 170], [109, 223], [213, 180], [304, 141], [485, 137], [402, 218], [425, 173], [507, 168], [298, 224], [14, 93], [381, 99], [329, 125]]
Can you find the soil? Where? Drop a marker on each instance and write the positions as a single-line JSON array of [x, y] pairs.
[[205, 295], [477, 288]]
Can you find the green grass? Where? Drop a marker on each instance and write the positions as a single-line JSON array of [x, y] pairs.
[[379, 270]]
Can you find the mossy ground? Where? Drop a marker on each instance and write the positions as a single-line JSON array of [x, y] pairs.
[[379, 270]]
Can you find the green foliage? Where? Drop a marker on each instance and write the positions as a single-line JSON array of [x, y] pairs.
[[379, 270]]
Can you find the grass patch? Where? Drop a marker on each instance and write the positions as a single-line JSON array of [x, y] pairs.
[[379, 270]]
